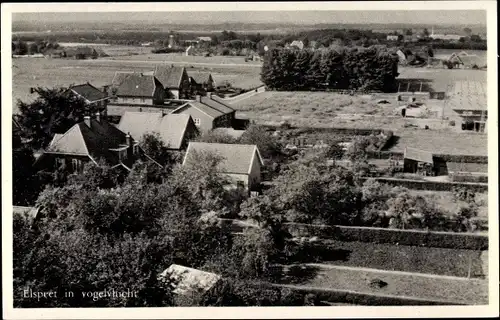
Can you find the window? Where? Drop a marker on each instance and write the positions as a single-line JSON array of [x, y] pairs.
[[59, 162], [197, 121], [136, 149], [122, 154], [240, 184], [76, 164]]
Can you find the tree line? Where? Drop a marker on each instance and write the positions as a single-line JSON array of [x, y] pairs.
[[373, 68], [21, 47]]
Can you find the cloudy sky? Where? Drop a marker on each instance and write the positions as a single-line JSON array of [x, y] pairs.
[[438, 17]]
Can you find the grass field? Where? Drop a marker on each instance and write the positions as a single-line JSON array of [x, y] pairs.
[[180, 57], [440, 261], [472, 292], [31, 72]]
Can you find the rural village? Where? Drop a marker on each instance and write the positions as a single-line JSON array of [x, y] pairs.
[[324, 167]]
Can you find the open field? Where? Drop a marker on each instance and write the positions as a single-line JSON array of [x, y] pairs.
[[30, 72], [440, 261], [398, 284], [181, 57], [446, 201]]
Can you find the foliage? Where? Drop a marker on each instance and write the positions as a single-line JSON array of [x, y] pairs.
[[52, 112], [155, 148], [25, 182], [373, 68], [268, 145], [216, 137]]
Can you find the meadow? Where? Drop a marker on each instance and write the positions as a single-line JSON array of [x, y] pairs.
[[33, 72]]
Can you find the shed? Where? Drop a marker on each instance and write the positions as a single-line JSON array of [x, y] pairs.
[[418, 161]]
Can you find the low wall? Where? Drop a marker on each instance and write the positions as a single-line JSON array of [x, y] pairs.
[[431, 185], [452, 240]]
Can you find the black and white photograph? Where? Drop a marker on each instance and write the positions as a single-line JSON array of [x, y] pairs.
[[249, 155]]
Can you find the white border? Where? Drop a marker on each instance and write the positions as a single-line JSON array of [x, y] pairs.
[[253, 312]]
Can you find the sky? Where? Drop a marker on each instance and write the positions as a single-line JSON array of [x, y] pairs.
[[436, 17]]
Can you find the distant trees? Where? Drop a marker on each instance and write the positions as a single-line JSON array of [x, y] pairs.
[[21, 47], [373, 68]]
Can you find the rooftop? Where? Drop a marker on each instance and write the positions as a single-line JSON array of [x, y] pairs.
[[210, 106], [170, 127], [468, 95], [93, 141], [88, 92], [418, 155], [237, 158], [200, 77], [169, 76], [138, 85], [189, 279]]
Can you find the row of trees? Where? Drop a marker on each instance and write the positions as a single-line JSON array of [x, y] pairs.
[[40, 46], [373, 68]]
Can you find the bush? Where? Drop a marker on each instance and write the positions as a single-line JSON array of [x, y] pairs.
[[452, 123]]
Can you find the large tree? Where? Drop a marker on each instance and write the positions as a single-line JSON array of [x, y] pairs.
[[51, 112]]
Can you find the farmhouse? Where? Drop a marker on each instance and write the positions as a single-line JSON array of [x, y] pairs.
[[240, 162], [138, 88], [201, 82], [418, 161], [175, 130], [468, 100], [91, 95], [189, 283], [89, 141], [392, 37], [208, 113], [81, 53], [175, 80]]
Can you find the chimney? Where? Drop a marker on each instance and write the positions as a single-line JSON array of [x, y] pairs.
[[86, 119], [105, 89], [128, 140], [98, 116]]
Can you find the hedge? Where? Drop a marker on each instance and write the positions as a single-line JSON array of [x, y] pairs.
[[431, 239], [430, 185], [451, 240], [367, 299]]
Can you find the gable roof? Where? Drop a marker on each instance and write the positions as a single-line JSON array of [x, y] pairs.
[[88, 92], [297, 43], [138, 85], [189, 279], [201, 77], [216, 104], [418, 155], [94, 141], [119, 77], [170, 127], [237, 158], [29, 212], [169, 76]]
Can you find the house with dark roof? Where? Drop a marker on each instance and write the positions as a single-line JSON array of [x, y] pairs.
[[175, 80], [81, 53], [91, 140], [175, 130], [91, 95], [418, 161], [140, 88], [208, 113], [240, 162], [201, 82]]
